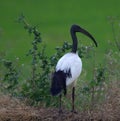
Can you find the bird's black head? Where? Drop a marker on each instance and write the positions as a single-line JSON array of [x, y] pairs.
[[75, 28]]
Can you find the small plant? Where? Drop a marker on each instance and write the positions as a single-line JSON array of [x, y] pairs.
[[115, 25], [11, 77], [38, 86], [34, 50], [93, 90], [97, 85]]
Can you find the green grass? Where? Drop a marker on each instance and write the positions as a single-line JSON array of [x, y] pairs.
[[54, 19]]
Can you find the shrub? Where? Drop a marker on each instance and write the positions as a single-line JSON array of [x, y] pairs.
[[11, 77]]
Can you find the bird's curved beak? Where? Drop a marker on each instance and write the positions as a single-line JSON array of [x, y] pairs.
[[85, 32]]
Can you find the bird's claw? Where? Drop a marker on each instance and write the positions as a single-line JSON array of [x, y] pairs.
[[73, 111], [60, 111]]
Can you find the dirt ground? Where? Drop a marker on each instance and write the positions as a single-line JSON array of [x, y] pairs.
[[12, 109]]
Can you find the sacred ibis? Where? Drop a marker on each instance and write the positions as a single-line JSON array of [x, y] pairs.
[[69, 67]]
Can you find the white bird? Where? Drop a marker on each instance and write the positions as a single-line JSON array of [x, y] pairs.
[[69, 67]]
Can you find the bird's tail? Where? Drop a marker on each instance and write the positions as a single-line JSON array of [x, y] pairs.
[[58, 83]]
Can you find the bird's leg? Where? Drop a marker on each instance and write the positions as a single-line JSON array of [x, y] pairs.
[[73, 100], [60, 109]]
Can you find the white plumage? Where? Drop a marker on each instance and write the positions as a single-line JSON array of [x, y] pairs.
[[70, 61]]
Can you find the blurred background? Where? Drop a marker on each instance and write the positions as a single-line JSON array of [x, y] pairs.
[[53, 19]]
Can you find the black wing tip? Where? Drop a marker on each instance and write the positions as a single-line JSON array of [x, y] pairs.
[[55, 92], [59, 82]]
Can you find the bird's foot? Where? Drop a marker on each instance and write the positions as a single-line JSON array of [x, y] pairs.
[[60, 111], [74, 111]]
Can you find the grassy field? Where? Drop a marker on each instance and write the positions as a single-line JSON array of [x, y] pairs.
[[54, 19]]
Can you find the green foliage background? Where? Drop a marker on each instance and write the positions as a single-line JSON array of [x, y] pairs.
[[54, 19]]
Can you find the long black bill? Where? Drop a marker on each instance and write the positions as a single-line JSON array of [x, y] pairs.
[[76, 28]]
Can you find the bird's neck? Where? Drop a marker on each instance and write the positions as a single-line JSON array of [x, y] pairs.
[[75, 42]]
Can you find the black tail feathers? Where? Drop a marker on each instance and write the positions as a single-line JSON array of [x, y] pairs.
[[58, 83]]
